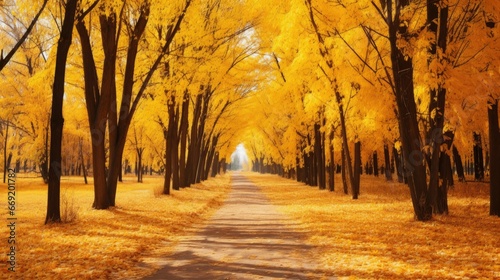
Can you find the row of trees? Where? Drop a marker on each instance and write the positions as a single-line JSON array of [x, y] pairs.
[[176, 85], [382, 74], [143, 81]]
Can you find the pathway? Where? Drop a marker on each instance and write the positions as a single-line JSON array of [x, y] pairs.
[[247, 238]]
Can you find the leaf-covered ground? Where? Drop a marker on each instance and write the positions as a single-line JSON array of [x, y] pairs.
[[104, 244], [376, 237]]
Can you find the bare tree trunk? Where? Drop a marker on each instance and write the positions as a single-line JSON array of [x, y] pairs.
[[57, 120], [478, 158], [344, 175], [402, 70], [387, 162], [357, 170], [331, 186], [494, 132], [183, 127], [82, 165]]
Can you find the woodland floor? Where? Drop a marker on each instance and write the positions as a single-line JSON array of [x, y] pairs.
[[247, 238], [265, 227]]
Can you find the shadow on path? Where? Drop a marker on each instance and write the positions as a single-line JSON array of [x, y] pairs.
[[247, 238]]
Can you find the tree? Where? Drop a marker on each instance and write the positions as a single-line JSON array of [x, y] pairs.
[[102, 100], [494, 131], [57, 120], [5, 59]]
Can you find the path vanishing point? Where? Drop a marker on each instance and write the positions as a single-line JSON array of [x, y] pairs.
[[247, 238]]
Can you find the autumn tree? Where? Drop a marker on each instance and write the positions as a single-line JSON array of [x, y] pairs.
[[57, 120], [12, 21], [102, 100]]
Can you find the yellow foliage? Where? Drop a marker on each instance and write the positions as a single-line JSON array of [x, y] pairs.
[[375, 237]]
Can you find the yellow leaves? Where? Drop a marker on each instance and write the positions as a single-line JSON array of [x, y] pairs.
[[107, 244]]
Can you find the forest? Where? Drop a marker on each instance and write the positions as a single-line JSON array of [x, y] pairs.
[[317, 91], [167, 89]]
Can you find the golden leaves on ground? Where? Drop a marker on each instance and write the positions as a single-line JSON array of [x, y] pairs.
[[376, 236], [103, 244]]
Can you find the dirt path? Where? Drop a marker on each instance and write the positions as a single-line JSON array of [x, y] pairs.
[[247, 238]]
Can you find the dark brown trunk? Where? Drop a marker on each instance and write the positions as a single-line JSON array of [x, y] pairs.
[[458, 164], [402, 70], [82, 165], [318, 151], [44, 163], [357, 169], [344, 177], [331, 185], [168, 162], [139, 164], [437, 104], [375, 164], [478, 158], [193, 152], [57, 120], [494, 132], [215, 165], [184, 126], [387, 163]]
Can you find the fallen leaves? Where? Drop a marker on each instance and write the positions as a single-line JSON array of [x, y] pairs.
[[106, 244], [376, 236]]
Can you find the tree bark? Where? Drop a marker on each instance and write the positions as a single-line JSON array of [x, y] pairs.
[[184, 126], [357, 169], [331, 185], [402, 70], [344, 176], [458, 164], [139, 164], [494, 132], [318, 151], [168, 162], [57, 120], [387, 162], [478, 158]]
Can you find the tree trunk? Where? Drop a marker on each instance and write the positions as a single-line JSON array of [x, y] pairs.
[[215, 165], [331, 185], [193, 152], [398, 164], [44, 163], [57, 120], [387, 162], [139, 164], [494, 132], [402, 70], [344, 177], [82, 165], [458, 164], [375, 164], [478, 158], [168, 162], [184, 126], [320, 162], [357, 169]]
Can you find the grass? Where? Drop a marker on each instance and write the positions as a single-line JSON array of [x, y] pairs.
[[376, 236], [123, 242]]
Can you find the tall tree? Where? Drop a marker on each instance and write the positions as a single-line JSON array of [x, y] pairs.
[[57, 120], [494, 131], [102, 100]]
